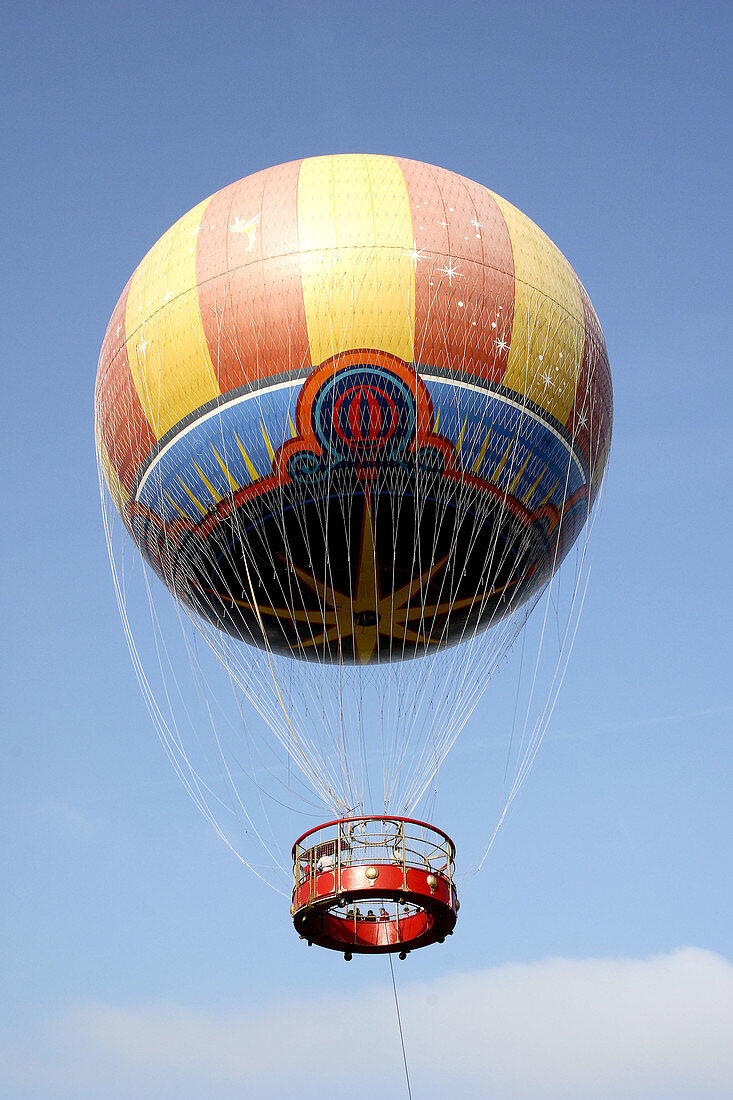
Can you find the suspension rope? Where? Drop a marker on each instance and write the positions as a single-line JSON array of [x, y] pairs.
[[399, 1025]]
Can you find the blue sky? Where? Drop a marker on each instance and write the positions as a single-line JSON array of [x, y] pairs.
[[140, 958]]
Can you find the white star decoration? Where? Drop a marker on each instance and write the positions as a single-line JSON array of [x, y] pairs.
[[476, 224], [415, 254], [450, 271], [501, 344]]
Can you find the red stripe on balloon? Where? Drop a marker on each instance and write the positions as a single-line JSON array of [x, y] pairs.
[[125, 430], [591, 416], [248, 272], [464, 279]]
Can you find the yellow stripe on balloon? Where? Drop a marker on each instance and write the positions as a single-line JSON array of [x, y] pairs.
[[355, 237], [548, 333], [166, 347]]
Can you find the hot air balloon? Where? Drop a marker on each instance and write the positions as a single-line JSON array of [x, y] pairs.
[[354, 411]]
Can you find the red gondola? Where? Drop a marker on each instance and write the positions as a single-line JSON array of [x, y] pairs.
[[401, 867]]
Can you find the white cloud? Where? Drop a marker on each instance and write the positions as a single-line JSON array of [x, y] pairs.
[[654, 1029]]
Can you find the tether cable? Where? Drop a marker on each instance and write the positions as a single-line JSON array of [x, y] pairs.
[[399, 1024]]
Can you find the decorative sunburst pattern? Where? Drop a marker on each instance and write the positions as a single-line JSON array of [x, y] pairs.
[[358, 618]]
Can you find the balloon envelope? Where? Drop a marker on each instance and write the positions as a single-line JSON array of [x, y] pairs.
[[354, 408]]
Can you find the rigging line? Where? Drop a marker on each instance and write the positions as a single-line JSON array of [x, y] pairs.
[[459, 716], [223, 651], [158, 719], [176, 748], [539, 734], [279, 696], [237, 794], [544, 719], [573, 624], [249, 741], [399, 1025], [547, 604], [201, 682], [516, 707]]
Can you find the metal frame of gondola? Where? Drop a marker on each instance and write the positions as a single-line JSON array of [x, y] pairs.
[[403, 865]]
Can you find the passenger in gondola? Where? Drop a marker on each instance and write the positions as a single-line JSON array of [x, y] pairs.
[[383, 914]]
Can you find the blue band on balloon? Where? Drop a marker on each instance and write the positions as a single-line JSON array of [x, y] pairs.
[[365, 414]]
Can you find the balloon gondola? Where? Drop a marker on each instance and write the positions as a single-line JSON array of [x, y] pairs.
[[399, 870], [354, 412]]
